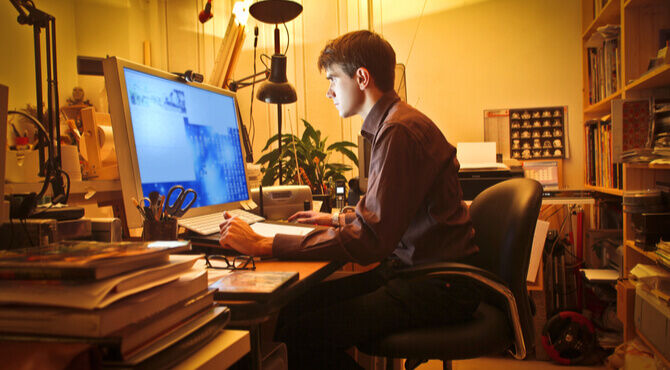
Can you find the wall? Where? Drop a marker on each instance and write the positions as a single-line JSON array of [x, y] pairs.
[[17, 59], [462, 56]]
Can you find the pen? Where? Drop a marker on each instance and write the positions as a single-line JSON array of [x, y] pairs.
[[137, 205]]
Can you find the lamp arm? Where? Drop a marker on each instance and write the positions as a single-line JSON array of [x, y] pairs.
[[243, 82]]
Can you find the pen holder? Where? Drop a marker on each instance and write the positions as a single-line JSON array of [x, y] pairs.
[[165, 229]]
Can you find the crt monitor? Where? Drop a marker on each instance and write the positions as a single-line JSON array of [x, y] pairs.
[[168, 131]]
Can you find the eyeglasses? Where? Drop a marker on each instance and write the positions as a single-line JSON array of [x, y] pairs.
[[221, 262]]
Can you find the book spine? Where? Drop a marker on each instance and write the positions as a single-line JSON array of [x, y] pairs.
[[178, 351], [40, 273]]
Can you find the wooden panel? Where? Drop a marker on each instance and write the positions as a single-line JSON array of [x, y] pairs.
[[625, 307], [610, 14], [641, 36]]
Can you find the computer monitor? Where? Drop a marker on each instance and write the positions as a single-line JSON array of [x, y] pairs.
[[168, 131]]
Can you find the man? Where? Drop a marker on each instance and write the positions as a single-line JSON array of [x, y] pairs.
[[411, 214]]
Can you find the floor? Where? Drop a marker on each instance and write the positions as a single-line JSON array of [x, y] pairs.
[[504, 364]]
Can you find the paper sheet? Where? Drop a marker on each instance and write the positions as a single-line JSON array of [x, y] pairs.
[[269, 229], [539, 238], [600, 274], [477, 155]]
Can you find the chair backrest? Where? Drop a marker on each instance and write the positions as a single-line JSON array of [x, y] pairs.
[[504, 218]]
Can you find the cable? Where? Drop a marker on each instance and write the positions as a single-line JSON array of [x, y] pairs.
[[252, 124], [262, 61], [25, 230], [288, 38], [411, 46], [34, 121]]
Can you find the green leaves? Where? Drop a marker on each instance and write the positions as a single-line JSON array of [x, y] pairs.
[[312, 156]]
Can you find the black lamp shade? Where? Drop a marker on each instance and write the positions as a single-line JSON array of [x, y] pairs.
[[275, 11], [276, 89]]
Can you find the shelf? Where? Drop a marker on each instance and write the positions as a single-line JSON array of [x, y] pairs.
[[649, 254], [658, 353], [602, 107], [645, 166], [77, 187], [658, 77], [610, 14], [600, 189]]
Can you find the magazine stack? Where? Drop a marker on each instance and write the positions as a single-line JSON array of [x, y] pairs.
[[124, 304]]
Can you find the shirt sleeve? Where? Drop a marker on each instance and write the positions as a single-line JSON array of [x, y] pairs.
[[401, 173]]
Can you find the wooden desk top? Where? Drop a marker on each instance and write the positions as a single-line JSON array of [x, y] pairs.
[[310, 273]]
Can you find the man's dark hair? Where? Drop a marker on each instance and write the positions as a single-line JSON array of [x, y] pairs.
[[362, 49]]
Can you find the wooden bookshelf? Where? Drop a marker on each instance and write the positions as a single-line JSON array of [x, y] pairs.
[[600, 189], [658, 77], [640, 22], [608, 15], [602, 107]]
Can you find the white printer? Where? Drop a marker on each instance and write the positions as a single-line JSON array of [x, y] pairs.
[[280, 202]]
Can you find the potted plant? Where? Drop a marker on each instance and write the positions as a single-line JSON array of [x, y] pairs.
[[306, 161]]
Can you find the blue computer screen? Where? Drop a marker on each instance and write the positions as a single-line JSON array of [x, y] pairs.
[[188, 136]]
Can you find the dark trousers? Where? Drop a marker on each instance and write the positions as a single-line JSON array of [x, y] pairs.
[[320, 326]]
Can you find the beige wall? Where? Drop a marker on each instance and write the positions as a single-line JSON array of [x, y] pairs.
[[17, 58], [466, 56]]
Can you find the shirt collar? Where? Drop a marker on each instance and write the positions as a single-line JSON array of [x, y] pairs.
[[377, 114]]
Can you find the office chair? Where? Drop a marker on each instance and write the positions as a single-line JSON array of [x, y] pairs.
[[504, 218]]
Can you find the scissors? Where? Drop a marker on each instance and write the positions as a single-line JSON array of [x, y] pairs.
[[176, 208]]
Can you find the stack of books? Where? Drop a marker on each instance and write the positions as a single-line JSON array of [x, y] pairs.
[[137, 304], [663, 253]]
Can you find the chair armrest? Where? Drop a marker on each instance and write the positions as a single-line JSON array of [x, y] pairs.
[[445, 268], [481, 276]]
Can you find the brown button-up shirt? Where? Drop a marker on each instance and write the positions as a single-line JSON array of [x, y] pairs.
[[413, 206]]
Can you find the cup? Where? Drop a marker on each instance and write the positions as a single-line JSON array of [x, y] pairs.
[[165, 229]]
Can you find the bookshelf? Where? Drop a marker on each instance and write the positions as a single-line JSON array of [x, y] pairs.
[[641, 23]]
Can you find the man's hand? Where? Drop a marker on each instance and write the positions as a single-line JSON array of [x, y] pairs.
[[236, 234], [312, 217]]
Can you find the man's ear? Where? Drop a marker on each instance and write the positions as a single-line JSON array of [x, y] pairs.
[[363, 78]]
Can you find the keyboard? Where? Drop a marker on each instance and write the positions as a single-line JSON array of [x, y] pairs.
[[209, 224]]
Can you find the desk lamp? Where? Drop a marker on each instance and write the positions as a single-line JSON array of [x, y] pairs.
[[276, 89], [50, 167]]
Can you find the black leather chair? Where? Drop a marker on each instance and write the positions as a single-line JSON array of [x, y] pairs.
[[504, 218]]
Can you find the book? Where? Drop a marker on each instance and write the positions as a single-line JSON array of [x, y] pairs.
[[100, 322], [250, 284], [84, 260], [177, 344], [119, 345], [96, 293], [630, 126]]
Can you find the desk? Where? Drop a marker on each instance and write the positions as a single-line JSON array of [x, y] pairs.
[[220, 353], [249, 315]]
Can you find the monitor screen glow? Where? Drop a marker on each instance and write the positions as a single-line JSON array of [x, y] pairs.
[[186, 136], [171, 132]]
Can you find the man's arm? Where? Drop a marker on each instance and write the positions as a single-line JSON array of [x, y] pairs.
[[238, 235], [401, 174]]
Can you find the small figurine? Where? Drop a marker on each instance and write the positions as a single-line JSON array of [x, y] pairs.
[[77, 97]]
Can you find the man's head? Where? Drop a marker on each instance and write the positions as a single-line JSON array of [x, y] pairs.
[[354, 62], [365, 49]]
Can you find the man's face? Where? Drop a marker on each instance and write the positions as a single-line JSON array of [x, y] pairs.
[[344, 91]]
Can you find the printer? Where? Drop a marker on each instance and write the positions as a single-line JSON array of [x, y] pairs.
[[474, 181], [280, 202], [479, 168]]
